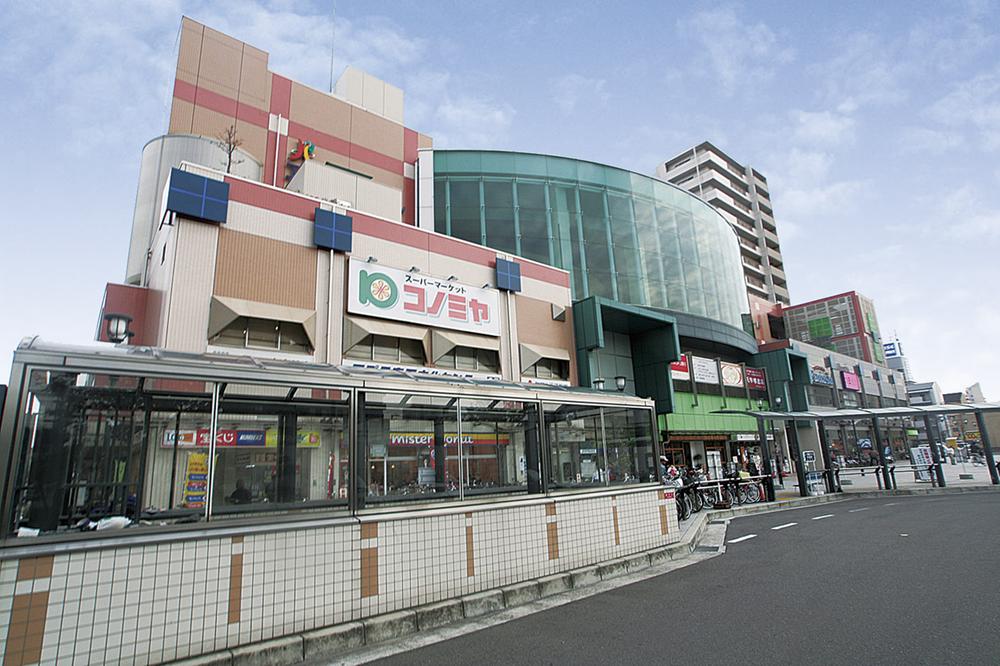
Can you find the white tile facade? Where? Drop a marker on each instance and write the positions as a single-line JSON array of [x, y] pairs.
[[159, 602]]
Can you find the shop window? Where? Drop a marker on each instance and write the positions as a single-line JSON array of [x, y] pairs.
[[470, 359], [253, 333], [418, 448], [277, 448], [97, 446], [411, 444], [548, 368], [589, 446], [387, 349], [499, 447]]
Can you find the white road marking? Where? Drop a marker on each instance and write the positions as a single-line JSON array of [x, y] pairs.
[[828, 515], [904, 535], [856, 510], [742, 538], [892, 504], [781, 527]]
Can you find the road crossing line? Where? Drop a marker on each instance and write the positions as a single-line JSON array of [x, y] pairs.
[[827, 515], [781, 527], [742, 538]]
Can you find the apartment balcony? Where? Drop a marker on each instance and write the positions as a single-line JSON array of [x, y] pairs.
[[750, 246], [774, 255], [778, 275], [754, 267], [718, 197], [771, 238]]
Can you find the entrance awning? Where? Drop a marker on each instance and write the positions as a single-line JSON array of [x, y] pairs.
[[443, 342], [357, 329], [224, 310], [532, 354]]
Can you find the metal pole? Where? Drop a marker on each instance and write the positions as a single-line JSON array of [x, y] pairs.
[[877, 432], [766, 455], [824, 447], [793, 441], [935, 454], [984, 438]]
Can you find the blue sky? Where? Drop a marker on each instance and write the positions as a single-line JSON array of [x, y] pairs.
[[878, 129]]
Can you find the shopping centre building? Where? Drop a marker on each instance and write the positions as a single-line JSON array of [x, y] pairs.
[[354, 374]]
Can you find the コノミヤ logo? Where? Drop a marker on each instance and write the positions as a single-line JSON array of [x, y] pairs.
[[377, 289]]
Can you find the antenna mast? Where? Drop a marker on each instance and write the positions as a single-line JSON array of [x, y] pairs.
[[333, 34]]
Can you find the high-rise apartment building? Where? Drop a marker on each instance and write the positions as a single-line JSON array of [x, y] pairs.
[[741, 194]]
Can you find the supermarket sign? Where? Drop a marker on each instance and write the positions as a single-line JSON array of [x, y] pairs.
[[389, 293]]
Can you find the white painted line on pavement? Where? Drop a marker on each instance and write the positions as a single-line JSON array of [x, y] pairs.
[[892, 503], [906, 535], [742, 538], [781, 527], [828, 515], [856, 510]]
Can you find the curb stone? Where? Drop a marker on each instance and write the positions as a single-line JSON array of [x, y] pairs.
[[482, 603], [287, 650], [338, 638], [437, 615], [521, 593], [389, 626]]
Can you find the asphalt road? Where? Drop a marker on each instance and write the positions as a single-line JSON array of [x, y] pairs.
[[887, 581]]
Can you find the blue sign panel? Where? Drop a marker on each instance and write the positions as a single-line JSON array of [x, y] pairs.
[[508, 275], [250, 438], [197, 197], [333, 231]]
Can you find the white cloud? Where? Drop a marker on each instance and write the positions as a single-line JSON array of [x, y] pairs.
[[973, 105], [572, 89], [823, 127], [927, 140], [866, 72], [471, 122], [740, 53]]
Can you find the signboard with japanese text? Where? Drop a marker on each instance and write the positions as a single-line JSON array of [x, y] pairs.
[[819, 374], [850, 380], [704, 370], [756, 379], [389, 293], [732, 374], [679, 369], [196, 480]]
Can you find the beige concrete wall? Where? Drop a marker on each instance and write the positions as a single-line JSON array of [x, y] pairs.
[[259, 269], [191, 286], [535, 325]]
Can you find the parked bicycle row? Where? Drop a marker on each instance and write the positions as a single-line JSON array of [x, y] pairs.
[[694, 491]]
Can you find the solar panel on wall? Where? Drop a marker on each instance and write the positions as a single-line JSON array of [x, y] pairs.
[[197, 197], [333, 231]]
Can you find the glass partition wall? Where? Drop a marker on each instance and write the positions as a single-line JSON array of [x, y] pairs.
[[156, 450]]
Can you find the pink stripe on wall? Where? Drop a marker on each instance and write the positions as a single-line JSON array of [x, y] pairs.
[[269, 198], [281, 94], [289, 203]]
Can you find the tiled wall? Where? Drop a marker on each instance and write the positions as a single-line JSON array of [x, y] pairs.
[[141, 604]]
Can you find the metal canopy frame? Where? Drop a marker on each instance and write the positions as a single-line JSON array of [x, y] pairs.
[[875, 414]]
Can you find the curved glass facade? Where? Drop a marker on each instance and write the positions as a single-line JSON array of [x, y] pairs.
[[622, 235]]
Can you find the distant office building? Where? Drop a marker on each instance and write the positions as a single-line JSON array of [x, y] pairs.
[[896, 359], [844, 323], [924, 394], [741, 194]]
